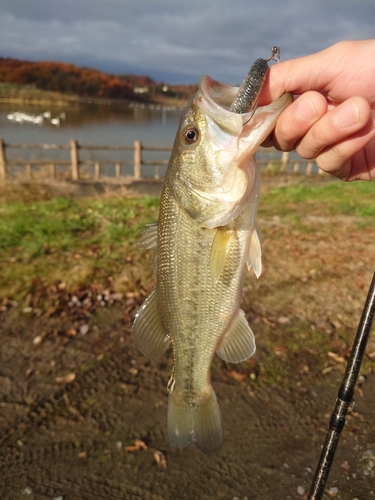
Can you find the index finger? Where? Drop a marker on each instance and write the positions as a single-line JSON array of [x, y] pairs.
[[296, 76], [339, 72]]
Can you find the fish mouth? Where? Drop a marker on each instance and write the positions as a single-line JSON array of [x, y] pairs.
[[217, 99], [234, 140]]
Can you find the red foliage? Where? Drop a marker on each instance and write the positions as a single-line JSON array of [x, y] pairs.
[[68, 78]]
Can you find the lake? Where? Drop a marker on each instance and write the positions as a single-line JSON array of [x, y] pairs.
[[107, 123]]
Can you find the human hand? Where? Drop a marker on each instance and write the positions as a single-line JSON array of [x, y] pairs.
[[333, 117]]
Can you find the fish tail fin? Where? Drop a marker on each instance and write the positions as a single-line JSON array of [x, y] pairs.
[[195, 424]]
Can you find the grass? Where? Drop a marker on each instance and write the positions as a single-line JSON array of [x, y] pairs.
[[86, 240], [93, 242], [66, 240], [336, 198]]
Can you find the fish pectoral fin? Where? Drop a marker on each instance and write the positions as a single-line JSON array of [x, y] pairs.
[[149, 236], [254, 255], [239, 342], [149, 241], [219, 251], [148, 330]]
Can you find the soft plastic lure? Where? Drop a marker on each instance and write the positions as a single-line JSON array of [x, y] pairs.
[[248, 94]]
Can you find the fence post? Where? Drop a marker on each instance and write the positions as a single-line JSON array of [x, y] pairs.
[[3, 165], [137, 159], [53, 170], [74, 159], [309, 168], [96, 171], [117, 170]]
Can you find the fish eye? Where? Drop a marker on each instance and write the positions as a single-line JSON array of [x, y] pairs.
[[190, 135]]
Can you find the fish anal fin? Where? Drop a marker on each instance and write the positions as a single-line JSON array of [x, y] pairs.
[[239, 342], [195, 424], [254, 255], [148, 331], [219, 251]]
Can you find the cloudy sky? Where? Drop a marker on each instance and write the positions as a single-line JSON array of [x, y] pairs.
[[177, 41]]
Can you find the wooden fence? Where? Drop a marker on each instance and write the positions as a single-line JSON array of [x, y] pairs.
[[276, 160]]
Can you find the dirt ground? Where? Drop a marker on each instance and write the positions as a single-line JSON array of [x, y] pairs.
[[83, 413]]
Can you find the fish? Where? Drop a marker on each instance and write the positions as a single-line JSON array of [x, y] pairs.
[[204, 239]]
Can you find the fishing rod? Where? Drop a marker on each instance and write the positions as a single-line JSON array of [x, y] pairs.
[[345, 396]]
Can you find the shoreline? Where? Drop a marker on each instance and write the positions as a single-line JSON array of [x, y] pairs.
[[48, 98]]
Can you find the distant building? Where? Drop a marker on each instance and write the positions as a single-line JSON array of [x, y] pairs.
[[140, 90]]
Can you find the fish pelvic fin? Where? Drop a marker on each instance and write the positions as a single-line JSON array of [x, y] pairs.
[[238, 343], [148, 331], [254, 256], [195, 424]]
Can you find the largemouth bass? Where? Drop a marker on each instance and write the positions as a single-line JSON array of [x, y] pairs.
[[204, 238]]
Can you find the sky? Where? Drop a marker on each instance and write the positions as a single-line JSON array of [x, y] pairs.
[[175, 41]]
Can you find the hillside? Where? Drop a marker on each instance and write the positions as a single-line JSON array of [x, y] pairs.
[[18, 76]]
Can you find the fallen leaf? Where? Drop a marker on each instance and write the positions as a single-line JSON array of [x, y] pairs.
[[37, 340], [66, 379], [132, 447], [236, 375], [160, 459], [345, 467], [282, 320], [141, 444], [268, 322], [137, 446], [336, 357], [71, 332]]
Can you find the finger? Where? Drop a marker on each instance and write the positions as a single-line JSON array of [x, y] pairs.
[[296, 120], [330, 71], [335, 126], [312, 72], [352, 158]]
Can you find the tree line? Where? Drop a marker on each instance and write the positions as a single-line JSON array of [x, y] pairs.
[[68, 78]]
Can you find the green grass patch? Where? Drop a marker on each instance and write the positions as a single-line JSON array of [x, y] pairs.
[[88, 240], [328, 199], [67, 240]]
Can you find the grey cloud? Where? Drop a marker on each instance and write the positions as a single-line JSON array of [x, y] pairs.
[[175, 41]]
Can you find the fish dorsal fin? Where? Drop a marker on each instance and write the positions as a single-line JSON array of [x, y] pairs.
[[148, 331], [239, 342], [254, 255], [219, 251]]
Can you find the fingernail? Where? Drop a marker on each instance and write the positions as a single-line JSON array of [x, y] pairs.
[[305, 109], [346, 115]]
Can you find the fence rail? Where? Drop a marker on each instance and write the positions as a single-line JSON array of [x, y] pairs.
[[76, 165]]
